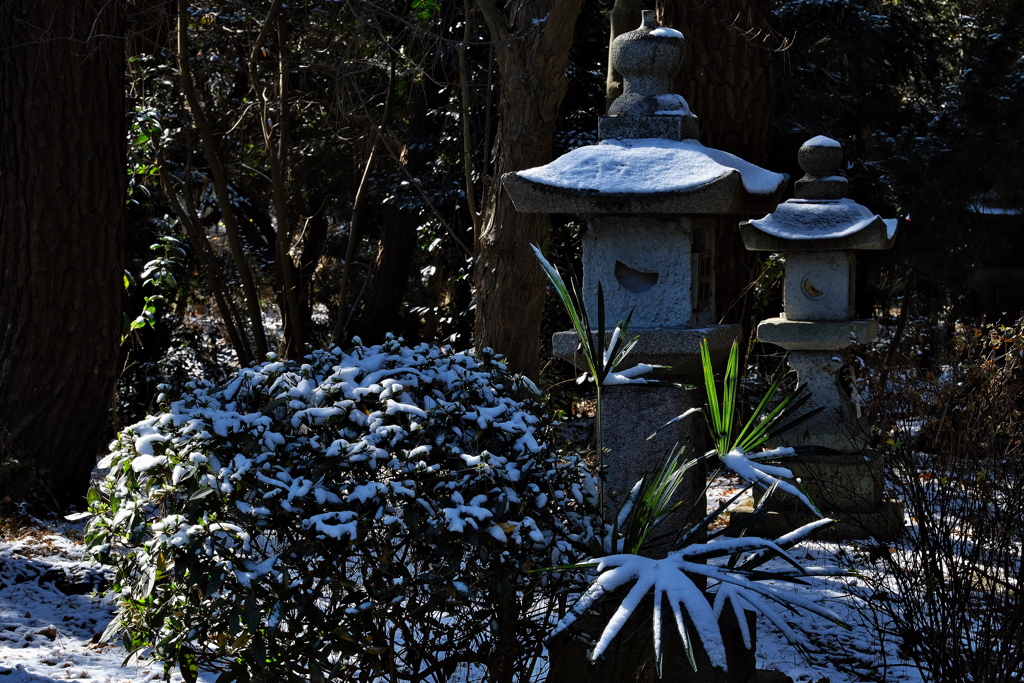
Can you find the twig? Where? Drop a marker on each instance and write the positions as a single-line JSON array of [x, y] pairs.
[[220, 184]]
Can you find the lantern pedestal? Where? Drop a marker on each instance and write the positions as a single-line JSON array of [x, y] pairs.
[[819, 232]]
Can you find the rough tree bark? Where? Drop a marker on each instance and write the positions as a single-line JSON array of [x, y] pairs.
[[62, 189], [727, 80], [532, 40]]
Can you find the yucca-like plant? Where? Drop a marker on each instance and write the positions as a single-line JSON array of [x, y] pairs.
[[736, 450], [601, 360], [740, 583], [765, 423]]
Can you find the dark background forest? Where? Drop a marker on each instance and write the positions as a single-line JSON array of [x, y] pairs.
[[186, 186]]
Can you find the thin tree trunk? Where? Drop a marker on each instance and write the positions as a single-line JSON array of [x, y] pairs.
[[355, 229], [623, 18], [201, 246], [220, 184], [276, 146], [62, 194], [389, 278], [727, 80], [532, 40], [396, 249]]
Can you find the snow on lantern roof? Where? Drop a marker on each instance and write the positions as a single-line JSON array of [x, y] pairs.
[[809, 220], [667, 176], [649, 161], [820, 217], [822, 141]]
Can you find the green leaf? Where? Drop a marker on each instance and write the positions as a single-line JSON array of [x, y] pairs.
[[188, 665], [252, 614], [259, 649], [201, 493], [276, 403], [424, 10], [112, 629]]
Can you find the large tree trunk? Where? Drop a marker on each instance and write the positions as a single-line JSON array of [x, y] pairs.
[[727, 80], [62, 183], [532, 40]]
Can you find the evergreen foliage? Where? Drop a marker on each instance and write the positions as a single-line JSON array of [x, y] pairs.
[[369, 512]]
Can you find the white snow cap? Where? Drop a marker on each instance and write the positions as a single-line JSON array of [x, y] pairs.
[[649, 165], [666, 32], [822, 141], [804, 219]]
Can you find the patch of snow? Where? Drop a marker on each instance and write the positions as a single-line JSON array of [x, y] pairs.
[[890, 227], [650, 165], [671, 104], [145, 462], [666, 32], [822, 141], [30, 606], [629, 375], [807, 219]]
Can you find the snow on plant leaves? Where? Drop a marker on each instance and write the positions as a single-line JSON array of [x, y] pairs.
[[386, 484]]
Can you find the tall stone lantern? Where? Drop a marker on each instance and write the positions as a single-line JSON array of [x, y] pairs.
[[819, 232], [649, 192]]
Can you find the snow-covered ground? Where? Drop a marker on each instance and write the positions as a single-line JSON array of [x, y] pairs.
[[50, 617], [51, 620]]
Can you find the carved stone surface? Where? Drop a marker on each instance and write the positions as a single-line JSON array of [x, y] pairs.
[[648, 59], [819, 285], [651, 281]]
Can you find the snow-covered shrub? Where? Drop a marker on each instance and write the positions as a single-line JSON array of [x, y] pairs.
[[371, 512]]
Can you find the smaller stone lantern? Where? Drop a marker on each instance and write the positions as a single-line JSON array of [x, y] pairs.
[[819, 232]]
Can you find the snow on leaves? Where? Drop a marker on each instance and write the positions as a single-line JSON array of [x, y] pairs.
[[369, 480]]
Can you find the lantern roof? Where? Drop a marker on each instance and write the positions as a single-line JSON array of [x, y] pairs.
[[820, 217], [652, 175], [649, 160]]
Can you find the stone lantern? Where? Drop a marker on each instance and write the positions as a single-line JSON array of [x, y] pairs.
[[652, 197], [819, 232]]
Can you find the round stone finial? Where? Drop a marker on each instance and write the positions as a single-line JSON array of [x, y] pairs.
[[820, 157], [648, 58]]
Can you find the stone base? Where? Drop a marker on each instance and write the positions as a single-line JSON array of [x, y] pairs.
[[843, 481], [676, 348], [845, 486], [883, 524], [816, 335], [630, 414], [838, 426]]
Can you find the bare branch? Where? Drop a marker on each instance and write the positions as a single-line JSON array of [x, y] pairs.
[[495, 20]]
